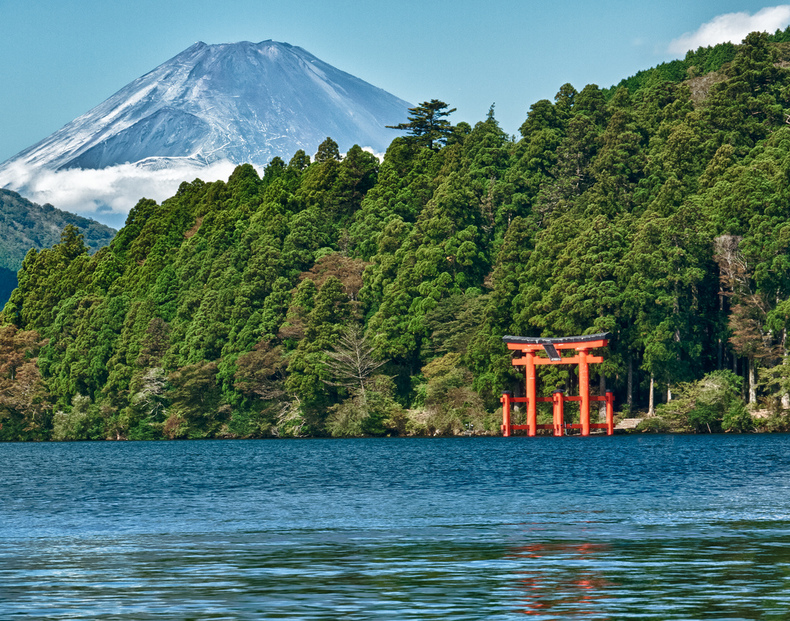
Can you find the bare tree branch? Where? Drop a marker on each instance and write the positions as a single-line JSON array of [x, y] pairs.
[[351, 361]]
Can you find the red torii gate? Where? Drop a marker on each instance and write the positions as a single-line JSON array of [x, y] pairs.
[[530, 348]]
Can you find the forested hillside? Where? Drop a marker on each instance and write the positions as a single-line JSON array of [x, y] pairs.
[[345, 296], [25, 225]]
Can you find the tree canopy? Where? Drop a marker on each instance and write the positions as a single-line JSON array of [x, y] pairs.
[[427, 125], [348, 296]]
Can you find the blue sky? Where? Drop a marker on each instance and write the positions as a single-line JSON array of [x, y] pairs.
[[59, 59]]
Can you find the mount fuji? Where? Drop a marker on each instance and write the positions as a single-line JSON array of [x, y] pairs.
[[200, 114]]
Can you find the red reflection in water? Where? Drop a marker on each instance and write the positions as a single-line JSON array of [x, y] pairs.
[[562, 584]]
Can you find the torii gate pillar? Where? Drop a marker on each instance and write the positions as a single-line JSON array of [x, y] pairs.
[[530, 348]]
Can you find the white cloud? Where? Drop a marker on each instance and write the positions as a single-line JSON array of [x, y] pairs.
[[732, 27], [378, 156], [108, 194]]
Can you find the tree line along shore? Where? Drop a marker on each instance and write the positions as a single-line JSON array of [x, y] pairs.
[[336, 295]]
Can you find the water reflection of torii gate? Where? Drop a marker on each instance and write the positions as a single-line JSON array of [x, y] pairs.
[[530, 347]]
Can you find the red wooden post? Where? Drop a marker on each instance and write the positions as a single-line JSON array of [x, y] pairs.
[[506, 413], [532, 412], [558, 410], [584, 391], [609, 413]]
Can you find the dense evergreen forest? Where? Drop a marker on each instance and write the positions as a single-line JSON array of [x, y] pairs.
[[347, 296]]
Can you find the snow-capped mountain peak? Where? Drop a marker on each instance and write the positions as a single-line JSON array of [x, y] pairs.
[[209, 105]]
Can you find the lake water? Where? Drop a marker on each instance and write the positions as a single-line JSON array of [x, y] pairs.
[[623, 527]]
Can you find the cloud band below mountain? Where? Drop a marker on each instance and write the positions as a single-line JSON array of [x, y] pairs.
[[105, 194], [732, 27]]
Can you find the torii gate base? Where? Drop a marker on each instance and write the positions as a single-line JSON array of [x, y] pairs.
[[530, 346]]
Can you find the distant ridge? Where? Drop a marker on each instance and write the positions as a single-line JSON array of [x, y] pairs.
[[25, 225]]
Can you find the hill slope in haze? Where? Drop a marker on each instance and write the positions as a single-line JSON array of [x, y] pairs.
[[25, 225]]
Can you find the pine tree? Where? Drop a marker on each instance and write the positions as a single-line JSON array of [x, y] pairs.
[[427, 124]]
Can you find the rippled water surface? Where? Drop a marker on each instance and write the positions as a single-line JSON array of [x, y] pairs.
[[624, 527]]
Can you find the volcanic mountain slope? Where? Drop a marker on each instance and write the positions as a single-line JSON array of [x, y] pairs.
[[229, 103], [243, 102]]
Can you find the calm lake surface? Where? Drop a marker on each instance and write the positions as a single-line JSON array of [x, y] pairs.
[[623, 527]]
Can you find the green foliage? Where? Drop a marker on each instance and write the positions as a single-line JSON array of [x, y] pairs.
[[655, 210], [711, 404], [25, 225], [369, 412], [83, 421], [195, 407], [654, 424], [327, 150], [699, 62], [450, 405], [427, 125]]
